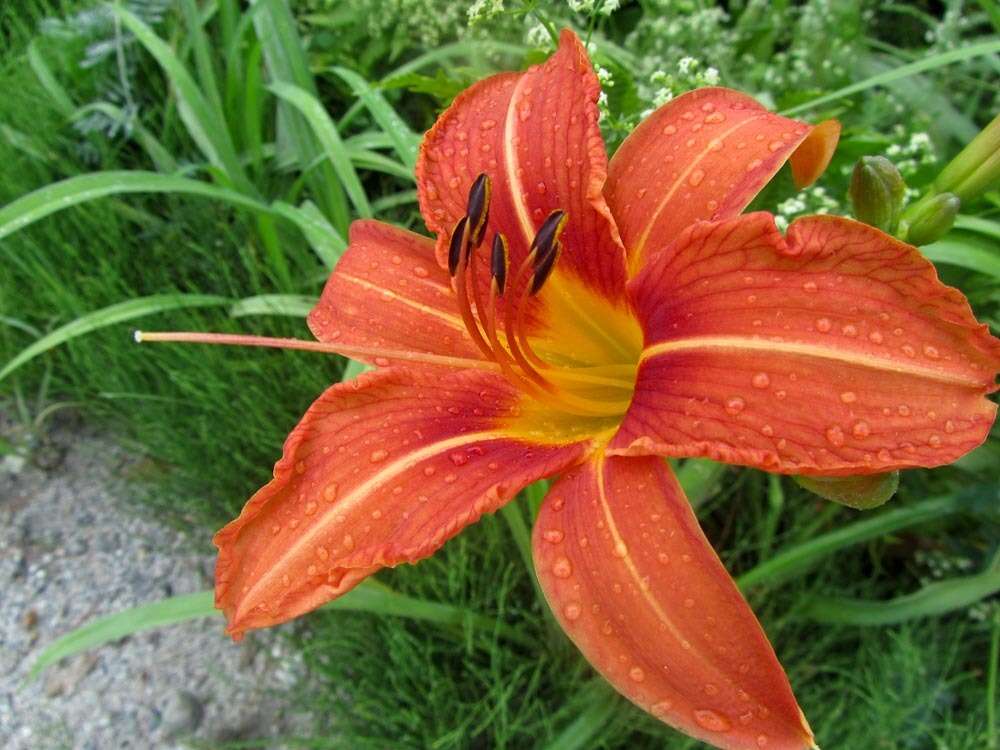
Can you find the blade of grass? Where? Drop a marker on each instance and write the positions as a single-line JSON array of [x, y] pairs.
[[293, 305], [287, 63], [203, 121], [87, 187], [369, 596], [162, 159], [881, 79], [957, 250], [326, 132], [60, 96], [324, 240], [404, 140], [934, 599], [600, 703], [119, 313], [797, 559]]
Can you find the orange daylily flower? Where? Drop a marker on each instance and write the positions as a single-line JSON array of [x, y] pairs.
[[580, 319]]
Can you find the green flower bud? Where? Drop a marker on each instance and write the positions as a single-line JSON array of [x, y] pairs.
[[876, 192], [930, 218], [860, 493]]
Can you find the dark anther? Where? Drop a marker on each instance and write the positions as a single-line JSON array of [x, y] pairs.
[[479, 209], [459, 241], [549, 233], [544, 263], [499, 261]]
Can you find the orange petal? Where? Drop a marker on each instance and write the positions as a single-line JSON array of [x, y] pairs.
[[836, 351], [380, 471], [637, 587], [705, 155], [536, 135], [389, 292]]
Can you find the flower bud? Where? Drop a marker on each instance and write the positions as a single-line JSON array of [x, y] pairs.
[[976, 168], [860, 492], [876, 192], [930, 218]]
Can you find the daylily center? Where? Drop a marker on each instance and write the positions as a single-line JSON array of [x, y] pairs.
[[583, 365]]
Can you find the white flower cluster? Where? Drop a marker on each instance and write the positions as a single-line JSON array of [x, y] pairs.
[[911, 151], [484, 10], [605, 8], [807, 202], [690, 75]]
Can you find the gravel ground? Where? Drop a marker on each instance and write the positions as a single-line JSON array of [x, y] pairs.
[[68, 554]]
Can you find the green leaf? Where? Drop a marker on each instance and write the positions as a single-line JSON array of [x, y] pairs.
[[369, 596], [326, 132], [933, 599], [86, 187], [119, 313], [881, 79], [112, 627], [287, 62], [293, 305], [324, 240], [860, 492], [404, 140], [203, 121], [965, 250], [797, 559], [42, 71]]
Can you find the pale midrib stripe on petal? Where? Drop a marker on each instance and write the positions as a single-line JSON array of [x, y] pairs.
[[511, 166], [681, 179], [452, 320], [740, 344], [327, 520]]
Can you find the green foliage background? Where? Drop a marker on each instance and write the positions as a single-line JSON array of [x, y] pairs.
[[83, 95]]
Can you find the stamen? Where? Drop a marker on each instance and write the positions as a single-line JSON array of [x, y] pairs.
[[499, 262], [549, 231], [456, 248], [544, 263], [457, 253], [479, 209]]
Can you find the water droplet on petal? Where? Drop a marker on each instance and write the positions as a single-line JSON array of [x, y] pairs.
[[875, 337], [931, 352], [696, 177], [348, 542], [823, 325], [572, 611], [562, 568], [300, 467], [835, 436], [636, 674], [761, 380], [377, 456], [712, 720], [848, 397], [810, 286], [861, 429], [322, 553], [661, 708], [310, 508], [553, 536], [761, 740], [459, 458], [735, 404], [908, 350], [421, 272], [935, 441]]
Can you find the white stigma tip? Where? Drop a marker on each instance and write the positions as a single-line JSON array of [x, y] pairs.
[[137, 335]]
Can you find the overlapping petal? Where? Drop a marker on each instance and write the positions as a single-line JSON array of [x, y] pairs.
[[536, 135], [380, 471], [637, 587], [389, 293], [833, 351], [705, 155]]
